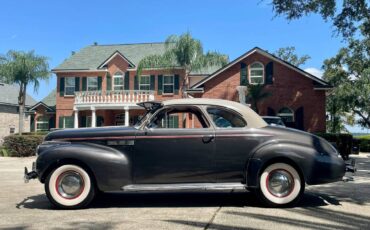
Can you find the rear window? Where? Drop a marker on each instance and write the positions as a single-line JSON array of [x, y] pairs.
[[225, 118]]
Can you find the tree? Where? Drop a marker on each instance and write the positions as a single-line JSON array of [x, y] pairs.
[[288, 54], [350, 17], [184, 51], [23, 68], [349, 73], [256, 93]]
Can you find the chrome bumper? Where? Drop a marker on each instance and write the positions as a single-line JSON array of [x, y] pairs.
[[30, 175], [351, 167]]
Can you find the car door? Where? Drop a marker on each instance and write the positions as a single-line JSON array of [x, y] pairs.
[[176, 146], [233, 143]]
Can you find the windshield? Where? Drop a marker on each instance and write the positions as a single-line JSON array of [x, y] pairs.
[[143, 118]]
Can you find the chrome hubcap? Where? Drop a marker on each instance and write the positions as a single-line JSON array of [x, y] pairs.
[[70, 185], [280, 183]]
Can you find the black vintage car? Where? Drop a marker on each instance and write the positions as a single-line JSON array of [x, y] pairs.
[[185, 144]]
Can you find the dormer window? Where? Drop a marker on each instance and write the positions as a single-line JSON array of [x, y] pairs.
[[256, 73], [118, 83]]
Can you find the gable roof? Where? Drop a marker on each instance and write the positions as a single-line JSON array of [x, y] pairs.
[[92, 57], [49, 102], [321, 83], [9, 95]]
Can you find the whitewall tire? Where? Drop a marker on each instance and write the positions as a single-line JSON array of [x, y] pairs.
[[69, 186], [280, 184]]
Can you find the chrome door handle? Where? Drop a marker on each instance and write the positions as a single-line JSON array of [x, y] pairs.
[[208, 138]]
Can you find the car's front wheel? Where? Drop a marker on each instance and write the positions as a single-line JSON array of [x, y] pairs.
[[69, 186], [280, 184]]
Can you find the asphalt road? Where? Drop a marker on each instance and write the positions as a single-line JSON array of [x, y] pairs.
[[333, 206]]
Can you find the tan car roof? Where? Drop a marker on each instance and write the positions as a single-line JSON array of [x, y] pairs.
[[252, 118]]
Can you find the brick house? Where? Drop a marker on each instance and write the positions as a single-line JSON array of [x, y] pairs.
[[297, 96], [98, 86], [9, 110]]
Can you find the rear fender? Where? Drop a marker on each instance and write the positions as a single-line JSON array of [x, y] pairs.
[[111, 168]]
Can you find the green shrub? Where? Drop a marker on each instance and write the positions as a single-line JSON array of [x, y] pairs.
[[22, 146], [34, 133], [342, 141], [4, 152], [364, 143]]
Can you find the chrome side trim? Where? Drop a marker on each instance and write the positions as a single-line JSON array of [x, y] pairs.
[[182, 187]]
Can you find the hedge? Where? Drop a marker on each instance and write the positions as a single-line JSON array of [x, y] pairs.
[[364, 143], [22, 146], [341, 141]]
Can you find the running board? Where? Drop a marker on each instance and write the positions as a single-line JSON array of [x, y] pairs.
[[182, 187]]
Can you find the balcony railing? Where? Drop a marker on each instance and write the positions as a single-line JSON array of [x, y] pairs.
[[113, 97]]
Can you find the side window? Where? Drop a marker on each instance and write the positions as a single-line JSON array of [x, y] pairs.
[[224, 118], [178, 118]]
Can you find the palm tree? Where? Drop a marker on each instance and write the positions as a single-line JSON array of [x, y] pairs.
[[184, 51], [23, 68], [255, 94]]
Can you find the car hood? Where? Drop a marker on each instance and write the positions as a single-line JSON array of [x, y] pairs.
[[86, 133], [300, 137]]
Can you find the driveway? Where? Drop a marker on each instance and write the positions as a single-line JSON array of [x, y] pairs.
[[334, 206]]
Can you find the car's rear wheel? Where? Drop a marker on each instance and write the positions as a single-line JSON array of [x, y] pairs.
[[280, 185], [69, 187]]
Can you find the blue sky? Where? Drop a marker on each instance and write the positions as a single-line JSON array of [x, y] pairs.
[[56, 28]]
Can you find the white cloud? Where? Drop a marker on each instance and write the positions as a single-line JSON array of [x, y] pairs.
[[314, 71]]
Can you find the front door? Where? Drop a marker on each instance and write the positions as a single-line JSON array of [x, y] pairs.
[[177, 146]]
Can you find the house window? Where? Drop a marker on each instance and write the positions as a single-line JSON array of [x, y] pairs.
[[42, 123], [286, 114], [92, 84], [168, 85], [69, 86], [66, 122], [12, 130], [256, 73], [144, 83], [118, 81]]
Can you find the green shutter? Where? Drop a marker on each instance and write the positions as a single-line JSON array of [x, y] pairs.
[[243, 74], [136, 83], [109, 82], [127, 80], [84, 83], [269, 72], [82, 121], [99, 121], [152, 82], [77, 84], [100, 79], [176, 121], [160, 84], [60, 122], [61, 87], [32, 125], [177, 84]]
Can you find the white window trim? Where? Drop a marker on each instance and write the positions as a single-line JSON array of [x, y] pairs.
[[250, 75], [173, 85], [287, 114], [41, 122], [144, 84], [74, 87], [64, 122], [87, 84], [122, 75]]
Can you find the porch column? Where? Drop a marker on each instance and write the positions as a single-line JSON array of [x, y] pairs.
[[76, 119], [93, 117], [127, 114]]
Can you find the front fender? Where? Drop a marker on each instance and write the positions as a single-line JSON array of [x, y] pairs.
[[110, 167], [300, 156]]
